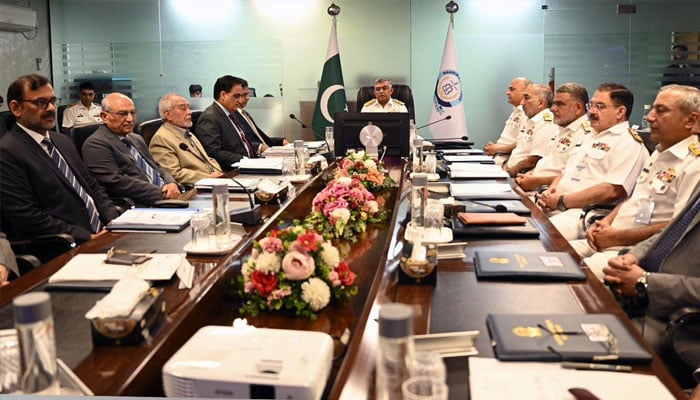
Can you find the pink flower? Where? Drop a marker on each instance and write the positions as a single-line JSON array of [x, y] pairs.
[[334, 278], [271, 245], [330, 207], [346, 276], [298, 266]]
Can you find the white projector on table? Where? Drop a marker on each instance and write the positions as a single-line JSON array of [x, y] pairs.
[[251, 363]]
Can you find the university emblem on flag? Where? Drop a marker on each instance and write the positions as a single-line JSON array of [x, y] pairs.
[[448, 91]]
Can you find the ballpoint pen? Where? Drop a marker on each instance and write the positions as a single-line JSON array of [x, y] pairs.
[[596, 366]]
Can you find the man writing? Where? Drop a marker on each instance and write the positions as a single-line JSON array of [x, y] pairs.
[[120, 159], [514, 124], [383, 101], [569, 110], [603, 170], [44, 185], [218, 129], [176, 149]]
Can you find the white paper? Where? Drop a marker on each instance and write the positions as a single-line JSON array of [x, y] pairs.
[[154, 216], [476, 170], [490, 379], [275, 163], [92, 268], [468, 158], [469, 189], [207, 183]]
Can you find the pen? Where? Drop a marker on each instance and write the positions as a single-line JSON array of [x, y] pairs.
[[596, 367]]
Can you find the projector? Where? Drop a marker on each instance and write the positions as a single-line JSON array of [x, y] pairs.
[[251, 363]]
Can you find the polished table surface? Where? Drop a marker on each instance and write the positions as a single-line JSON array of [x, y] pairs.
[[458, 302]]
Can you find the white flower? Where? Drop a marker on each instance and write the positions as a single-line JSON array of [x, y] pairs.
[[359, 155], [330, 255], [345, 180], [248, 268], [341, 214], [268, 263], [370, 164], [315, 292], [372, 206]]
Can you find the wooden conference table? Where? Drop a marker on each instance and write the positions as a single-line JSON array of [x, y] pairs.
[[458, 302]]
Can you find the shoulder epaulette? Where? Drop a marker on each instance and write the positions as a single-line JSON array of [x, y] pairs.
[[635, 135], [548, 116], [369, 103], [399, 102], [71, 104], [587, 126], [695, 148]]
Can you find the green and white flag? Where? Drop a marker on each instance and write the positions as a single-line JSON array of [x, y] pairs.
[[331, 92]]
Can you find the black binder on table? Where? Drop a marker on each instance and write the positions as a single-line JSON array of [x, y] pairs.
[[564, 337], [527, 265], [493, 231]]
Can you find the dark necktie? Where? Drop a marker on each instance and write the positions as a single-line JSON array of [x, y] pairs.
[[62, 165], [250, 123], [246, 143], [652, 261], [152, 174]]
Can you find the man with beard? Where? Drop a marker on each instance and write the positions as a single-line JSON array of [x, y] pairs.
[[569, 109], [603, 170]]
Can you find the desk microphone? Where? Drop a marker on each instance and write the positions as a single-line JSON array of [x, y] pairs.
[[294, 117], [185, 147], [247, 217], [435, 122], [448, 139]]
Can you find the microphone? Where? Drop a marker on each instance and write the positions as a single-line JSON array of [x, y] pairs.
[[294, 117], [435, 122], [185, 147], [247, 217], [448, 139]]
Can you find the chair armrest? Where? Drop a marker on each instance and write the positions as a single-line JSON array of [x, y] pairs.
[[122, 204], [44, 247]]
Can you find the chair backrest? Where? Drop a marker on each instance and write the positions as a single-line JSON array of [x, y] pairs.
[[59, 117], [7, 121], [401, 92], [195, 118], [81, 133], [148, 128]]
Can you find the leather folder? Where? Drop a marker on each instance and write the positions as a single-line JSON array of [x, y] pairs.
[[564, 337], [506, 218], [527, 265], [521, 230]]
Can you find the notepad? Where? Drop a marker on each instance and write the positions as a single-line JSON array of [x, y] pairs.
[[472, 158], [272, 166], [466, 191], [152, 219], [476, 171], [249, 184], [524, 265]]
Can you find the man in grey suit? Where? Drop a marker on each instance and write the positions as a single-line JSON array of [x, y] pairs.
[[119, 159], [218, 128]]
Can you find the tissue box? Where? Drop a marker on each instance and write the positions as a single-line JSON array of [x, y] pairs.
[[135, 329]]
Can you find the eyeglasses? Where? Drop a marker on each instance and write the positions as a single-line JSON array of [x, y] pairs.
[[124, 114], [381, 88], [43, 102], [241, 95], [597, 106], [183, 107]]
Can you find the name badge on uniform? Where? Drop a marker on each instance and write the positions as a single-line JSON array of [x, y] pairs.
[[646, 209]]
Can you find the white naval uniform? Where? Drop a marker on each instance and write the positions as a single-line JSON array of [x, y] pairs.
[[533, 137], [78, 114], [561, 145], [667, 182], [509, 135], [393, 105], [613, 156]]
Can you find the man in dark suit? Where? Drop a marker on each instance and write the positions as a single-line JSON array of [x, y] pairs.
[[219, 130], [44, 185], [253, 132], [120, 159]]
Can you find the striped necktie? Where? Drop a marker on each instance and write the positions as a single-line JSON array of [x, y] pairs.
[[62, 165], [250, 123], [246, 143], [153, 176], [652, 261]]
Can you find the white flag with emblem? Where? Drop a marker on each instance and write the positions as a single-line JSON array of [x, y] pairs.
[[331, 91], [447, 99]]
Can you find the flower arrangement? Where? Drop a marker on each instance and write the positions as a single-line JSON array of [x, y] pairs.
[[294, 269], [343, 209], [369, 171]]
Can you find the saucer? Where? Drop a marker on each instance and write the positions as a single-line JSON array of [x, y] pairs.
[[212, 248]]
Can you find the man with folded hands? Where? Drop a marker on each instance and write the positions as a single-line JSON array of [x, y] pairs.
[[603, 170], [569, 110], [536, 132], [176, 149], [119, 159], [663, 187]]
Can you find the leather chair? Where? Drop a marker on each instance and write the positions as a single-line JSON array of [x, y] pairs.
[[148, 128], [401, 92], [42, 248], [195, 118], [59, 117], [81, 133], [7, 121]]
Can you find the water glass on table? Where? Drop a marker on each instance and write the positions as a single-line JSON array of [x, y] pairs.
[[433, 217], [200, 222], [424, 388]]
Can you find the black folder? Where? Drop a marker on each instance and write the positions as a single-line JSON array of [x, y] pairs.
[[564, 337], [524, 265]]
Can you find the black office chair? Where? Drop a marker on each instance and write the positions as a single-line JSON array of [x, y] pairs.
[[42, 248], [7, 121], [59, 117], [401, 92], [81, 133], [148, 128], [195, 118]]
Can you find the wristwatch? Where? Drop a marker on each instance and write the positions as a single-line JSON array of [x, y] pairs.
[[642, 283], [560, 205]]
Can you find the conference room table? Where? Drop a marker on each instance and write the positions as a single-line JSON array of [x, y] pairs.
[[458, 302]]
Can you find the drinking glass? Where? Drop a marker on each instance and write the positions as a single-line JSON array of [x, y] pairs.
[[200, 222], [430, 163], [427, 363], [331, 141], [433, 217], [424, 388]]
